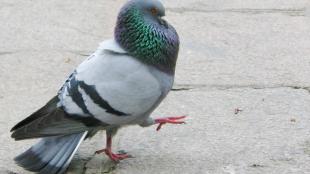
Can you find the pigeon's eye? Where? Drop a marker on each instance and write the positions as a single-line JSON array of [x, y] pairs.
[[154, 11]]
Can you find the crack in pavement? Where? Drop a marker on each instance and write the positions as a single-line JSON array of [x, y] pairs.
[[181, 89], [286, 11], [80, 53], [85, 165], [76, 52], [6, 53], [106, 167], [187, 87]]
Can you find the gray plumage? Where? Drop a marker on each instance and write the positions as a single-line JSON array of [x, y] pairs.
[[50, 155], [112, 88]]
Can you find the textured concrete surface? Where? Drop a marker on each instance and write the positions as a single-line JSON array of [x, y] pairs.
[[251, 55]]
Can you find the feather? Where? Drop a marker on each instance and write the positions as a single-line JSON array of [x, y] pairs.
[[49, 107], [51, 155], [51, 120]]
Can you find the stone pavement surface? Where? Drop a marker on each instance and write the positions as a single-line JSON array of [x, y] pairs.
[[249, 55]]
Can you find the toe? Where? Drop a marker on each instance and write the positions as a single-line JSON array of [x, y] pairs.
[[177, 118]]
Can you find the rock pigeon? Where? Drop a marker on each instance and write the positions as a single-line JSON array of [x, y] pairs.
[[120, 84]]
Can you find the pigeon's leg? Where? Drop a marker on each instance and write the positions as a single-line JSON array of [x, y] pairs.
[[108, 150], [171, 120]]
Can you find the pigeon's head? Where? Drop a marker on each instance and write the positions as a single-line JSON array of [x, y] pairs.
[[151, 10], [144, 34]]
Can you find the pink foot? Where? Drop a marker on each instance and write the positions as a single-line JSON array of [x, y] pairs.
[[114, 157], [171, 120]]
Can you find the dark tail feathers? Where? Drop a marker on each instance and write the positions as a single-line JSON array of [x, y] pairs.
[[51, 155]]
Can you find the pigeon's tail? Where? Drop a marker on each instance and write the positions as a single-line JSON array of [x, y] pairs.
[[51, 155]]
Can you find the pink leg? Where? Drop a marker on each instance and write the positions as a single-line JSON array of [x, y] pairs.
[[171, 120], [108, 151]]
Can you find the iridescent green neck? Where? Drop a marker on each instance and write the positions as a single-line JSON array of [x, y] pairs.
[[147, 40]]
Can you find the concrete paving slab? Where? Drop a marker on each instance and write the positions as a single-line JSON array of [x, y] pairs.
[[217, 140]]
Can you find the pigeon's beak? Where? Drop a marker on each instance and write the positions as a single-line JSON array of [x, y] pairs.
[[163, 22], [161, 13], [160, 16]]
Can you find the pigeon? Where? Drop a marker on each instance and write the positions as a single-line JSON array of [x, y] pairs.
[[120, 84]]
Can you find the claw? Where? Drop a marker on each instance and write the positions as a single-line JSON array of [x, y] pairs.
[[176, 118], [114, 157], [108, 151]]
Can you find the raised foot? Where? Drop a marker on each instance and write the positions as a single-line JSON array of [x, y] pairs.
[[171, 120], [114, 157]]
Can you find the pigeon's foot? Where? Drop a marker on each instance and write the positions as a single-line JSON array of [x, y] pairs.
[[114, 157], [108, 150], [171, 120]]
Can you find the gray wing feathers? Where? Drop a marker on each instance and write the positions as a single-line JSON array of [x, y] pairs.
[[49, 107], [48, 121], [51, 155]]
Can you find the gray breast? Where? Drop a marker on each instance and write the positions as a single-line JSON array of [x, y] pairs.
[[165, 80]]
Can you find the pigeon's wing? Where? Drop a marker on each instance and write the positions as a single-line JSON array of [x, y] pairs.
[[50, 120], [46, 109], [111, 86]]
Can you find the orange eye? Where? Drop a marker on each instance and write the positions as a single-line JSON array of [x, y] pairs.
[[154, 11]]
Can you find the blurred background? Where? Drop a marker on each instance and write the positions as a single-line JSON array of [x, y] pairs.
[[243, 78]]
